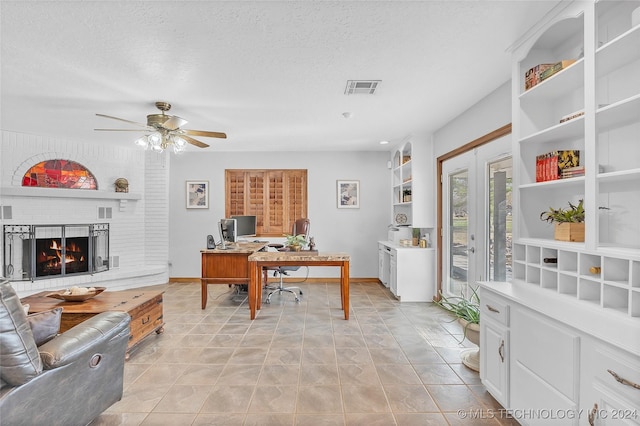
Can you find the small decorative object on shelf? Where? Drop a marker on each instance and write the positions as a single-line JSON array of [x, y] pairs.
[[569, 222], [406, 195], [122, 185], [550, 260], [595, 269], [401, 219]]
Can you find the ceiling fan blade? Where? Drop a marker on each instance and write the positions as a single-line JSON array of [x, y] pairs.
[[206, 134], [174, 122], [121, 130], [195, 142], [122, 119]]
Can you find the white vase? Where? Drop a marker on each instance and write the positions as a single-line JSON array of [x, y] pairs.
[[471, 356]]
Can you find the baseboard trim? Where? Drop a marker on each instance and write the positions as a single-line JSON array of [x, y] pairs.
[[365, 280]]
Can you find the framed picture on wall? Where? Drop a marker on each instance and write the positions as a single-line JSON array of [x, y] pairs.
[[197, 194], [348, 194]]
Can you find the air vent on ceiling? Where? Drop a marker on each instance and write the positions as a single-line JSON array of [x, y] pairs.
[[361, 87]]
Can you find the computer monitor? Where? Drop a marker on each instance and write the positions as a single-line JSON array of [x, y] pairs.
[[245, 225], [227, 229]]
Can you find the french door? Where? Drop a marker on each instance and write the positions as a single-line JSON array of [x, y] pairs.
[[476, 217]]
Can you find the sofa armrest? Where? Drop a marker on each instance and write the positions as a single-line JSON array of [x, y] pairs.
[[92, 333]]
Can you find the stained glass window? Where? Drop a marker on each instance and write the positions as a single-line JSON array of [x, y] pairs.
[[60, 174]]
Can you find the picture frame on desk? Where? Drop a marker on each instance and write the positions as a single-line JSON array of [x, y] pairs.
[[197, 194], [348, 194]]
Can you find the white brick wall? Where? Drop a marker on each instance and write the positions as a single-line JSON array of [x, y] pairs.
[[138, 231]]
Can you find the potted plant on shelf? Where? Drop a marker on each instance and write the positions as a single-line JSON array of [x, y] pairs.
[[569, 222], [467, 312], [295, 242]]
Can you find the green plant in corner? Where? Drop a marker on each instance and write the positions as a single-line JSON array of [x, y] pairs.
[[467, 310], [573, 214]]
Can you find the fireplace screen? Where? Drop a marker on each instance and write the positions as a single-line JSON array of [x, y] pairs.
[[49, 251]]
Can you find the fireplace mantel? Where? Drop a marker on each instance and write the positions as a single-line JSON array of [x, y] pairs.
[[26, 191]]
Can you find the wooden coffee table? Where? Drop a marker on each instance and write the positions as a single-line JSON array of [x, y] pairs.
[[144, 307]]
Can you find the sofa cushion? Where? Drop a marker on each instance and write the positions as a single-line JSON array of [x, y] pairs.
[[45, 325], [19, 357]]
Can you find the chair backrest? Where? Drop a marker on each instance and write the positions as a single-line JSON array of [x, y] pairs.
[[301, 227]]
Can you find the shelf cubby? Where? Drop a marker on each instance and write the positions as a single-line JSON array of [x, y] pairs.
[[533, 275], [549, 279], [635, 274], [635, 303], [568, 261], [588, 261], [615, 298], [568, 284], [615, 270], [533, 255], [589, 290], [519, 252]]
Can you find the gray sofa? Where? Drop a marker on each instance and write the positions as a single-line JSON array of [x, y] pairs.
[[68, 380]]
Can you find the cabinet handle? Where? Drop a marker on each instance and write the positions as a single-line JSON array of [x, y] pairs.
[[623, 380], [501, 350], [592, 414], [492, 309]]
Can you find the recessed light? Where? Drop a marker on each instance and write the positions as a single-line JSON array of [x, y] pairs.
[[347, 114], [384, 142]]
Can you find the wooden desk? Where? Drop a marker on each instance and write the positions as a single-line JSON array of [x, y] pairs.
[[226, 266], [143, 306], [259, 260]]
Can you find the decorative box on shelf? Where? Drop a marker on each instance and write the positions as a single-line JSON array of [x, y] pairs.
[[568, 231]]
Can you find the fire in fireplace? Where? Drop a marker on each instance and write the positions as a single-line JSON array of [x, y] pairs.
[[51, 251], [52, 258]]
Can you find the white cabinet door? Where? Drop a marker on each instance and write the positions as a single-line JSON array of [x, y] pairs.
[[494, 359]]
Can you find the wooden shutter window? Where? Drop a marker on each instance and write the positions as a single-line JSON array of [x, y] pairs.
[[276, 197]]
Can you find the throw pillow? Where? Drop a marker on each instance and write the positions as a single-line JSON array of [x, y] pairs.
[[19, 356], [45, 325]]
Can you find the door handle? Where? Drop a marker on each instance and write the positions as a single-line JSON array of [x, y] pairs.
[[501, 351], [471, 250]]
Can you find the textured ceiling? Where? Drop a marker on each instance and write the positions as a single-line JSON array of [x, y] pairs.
[[271, 74]]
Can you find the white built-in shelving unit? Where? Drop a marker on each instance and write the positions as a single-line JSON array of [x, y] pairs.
[[605, 83]]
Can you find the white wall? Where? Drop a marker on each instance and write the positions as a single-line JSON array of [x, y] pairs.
[[355, 231], [487, 115]]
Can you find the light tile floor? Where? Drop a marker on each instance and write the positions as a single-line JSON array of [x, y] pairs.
[[301, 363]]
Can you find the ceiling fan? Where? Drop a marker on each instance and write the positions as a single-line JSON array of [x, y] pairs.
[[165, 131]]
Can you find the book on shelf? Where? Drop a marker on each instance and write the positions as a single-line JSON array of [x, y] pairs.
[[550, 166], [572, 172], [555, 68], [532, 76], [572, 115]]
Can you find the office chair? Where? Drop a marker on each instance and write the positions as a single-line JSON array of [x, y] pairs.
[[300, 227]]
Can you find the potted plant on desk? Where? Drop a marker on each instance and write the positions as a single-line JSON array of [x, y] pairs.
[[295, 242], [467, 312]]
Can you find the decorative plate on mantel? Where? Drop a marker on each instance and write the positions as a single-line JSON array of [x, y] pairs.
[[401, 218]]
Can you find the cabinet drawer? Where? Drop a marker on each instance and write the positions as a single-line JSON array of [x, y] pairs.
[[625, 367], [494, 307], [145, 319]]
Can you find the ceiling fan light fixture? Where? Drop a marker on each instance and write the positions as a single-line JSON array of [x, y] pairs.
[[155, 139], [142, 141]]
